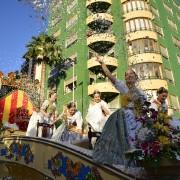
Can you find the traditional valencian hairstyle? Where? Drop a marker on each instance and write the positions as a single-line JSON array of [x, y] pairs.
[[71, 104], [135, 74], [51, 92], [162, 90], [96, 92]]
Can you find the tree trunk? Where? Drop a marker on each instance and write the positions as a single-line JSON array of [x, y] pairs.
[[43, 74], [30, 68]]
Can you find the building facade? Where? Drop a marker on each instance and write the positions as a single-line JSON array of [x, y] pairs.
[[142, 34]]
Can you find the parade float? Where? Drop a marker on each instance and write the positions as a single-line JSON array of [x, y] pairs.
[[23, 157]]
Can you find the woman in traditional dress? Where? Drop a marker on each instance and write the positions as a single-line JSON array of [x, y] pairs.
[[98, 112], [159, 104], [71, 128], [32, 126], [48, 112], [45, 114], [48, 108], [119, 132]]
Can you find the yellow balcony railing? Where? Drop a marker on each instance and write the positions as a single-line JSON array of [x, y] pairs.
[[110, 61], [102, 87], [145, 58], [89, 2], [150, 84], [98, 17], [138, 14], [101, 37], [140, 34]]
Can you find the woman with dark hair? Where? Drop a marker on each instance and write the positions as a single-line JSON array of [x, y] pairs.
[[71, 128], [97, 112], [119, 132], [159, 104]]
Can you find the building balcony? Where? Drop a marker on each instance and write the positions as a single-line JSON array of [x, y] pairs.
[[108, 91], [138, 14], [149, 57], [98, 6], [152, 83], [123, 1], [101, 42], [95, 67], [100, 21], [141, 34]]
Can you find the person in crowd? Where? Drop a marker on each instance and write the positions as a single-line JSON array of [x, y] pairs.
[[119, 133]]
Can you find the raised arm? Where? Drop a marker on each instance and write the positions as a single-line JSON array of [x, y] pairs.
[[118, 84], [43, 109], [105, 108], [106, 70]]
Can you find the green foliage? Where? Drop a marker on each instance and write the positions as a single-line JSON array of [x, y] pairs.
[[43, 48]]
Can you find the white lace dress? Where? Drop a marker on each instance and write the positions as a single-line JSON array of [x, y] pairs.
[[95, 116], [32, 126]]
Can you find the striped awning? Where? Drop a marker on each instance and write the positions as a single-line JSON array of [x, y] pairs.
[[12, 101]]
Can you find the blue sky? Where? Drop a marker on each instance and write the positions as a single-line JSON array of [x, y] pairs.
[[18, 24]]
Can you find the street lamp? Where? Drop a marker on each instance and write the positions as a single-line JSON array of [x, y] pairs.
[[73, 78]]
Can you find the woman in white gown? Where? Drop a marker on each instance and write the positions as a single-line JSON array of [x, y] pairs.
[[48, 108], [32, 126], [48, 113], [159, 104], [45, 114], [98, 112], [71, 128]]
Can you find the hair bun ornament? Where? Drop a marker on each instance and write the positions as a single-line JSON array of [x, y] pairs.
[[96, 91]]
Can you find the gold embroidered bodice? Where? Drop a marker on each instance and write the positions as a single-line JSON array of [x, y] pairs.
[[133, 99], [125, 100]]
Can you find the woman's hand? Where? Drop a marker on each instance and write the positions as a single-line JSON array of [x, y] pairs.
[[47, 115], [105, 69]]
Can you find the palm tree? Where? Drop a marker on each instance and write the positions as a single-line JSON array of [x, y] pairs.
[[43, 50]]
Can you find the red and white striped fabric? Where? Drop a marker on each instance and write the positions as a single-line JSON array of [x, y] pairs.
[[12, 101]]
